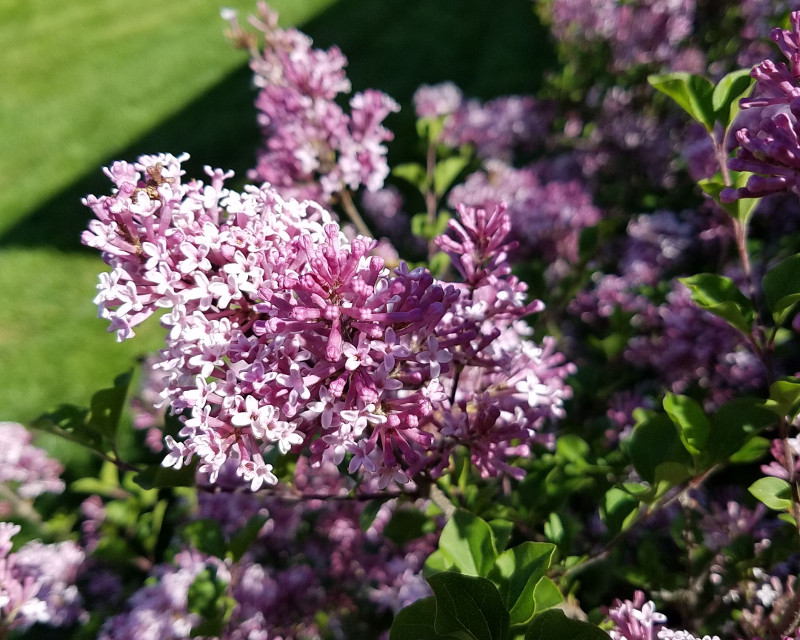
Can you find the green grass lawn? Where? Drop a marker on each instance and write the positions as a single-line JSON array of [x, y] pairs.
[[89, 81]]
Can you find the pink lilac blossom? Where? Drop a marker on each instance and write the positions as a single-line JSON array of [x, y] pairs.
[[546, 217], [498, 128], [435, 101], [284, 333], [686, 345], [37, 583], [27, 469], [767, 127], [336, 565], [312, 147], [635, 619], [640, 32]]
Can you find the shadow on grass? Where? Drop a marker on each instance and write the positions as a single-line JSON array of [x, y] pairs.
[[487, 48]]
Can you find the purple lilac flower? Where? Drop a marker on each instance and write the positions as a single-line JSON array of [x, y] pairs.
[[767, 127], [28, 470], [641, 32], [499, 127], [688, 345], [635, 619], [546, 217], [283, 332], [37, 583], [435, 101], [312, 147]]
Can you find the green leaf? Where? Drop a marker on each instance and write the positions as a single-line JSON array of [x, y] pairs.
[[435, 563], [573, 448], [546, 595], [618, 508], [752, 450], [468, 607], [725, 99], [107, 405], [653, 442], [416, 622], [741, 209], [516, 573], [733, 425], [406, 525], [554, 625], [784, 398], [240, 541], [370, 512], [776, 493], [501, 530], [155, 476], [691, 421], [692, 93], [413, 173], [468, 542], [720, 295], [446, 171], [781, 286], [206, 536]]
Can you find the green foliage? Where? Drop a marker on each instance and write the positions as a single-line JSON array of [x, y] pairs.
[[776, 493], [554, 625], [468, 607], [720, 295], [781, 286], [694, 94], [207, 597]]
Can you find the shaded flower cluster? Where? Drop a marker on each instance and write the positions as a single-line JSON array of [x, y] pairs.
[[312, 147], [291, 572], [284, 334]]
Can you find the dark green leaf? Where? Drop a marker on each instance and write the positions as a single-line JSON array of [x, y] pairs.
[[752, 450], [406, 524], [653, 442], [733, 424], [692, 93], [416, 622], [369, 512], [691, 421], [782, 287], [720, 295], [107, 405], [155, 476], [554, 625], [206, 536], [617, 509], [468, 607], [501, 529], [240, 541]]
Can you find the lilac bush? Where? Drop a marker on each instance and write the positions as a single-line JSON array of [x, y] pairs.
[[576, 418]]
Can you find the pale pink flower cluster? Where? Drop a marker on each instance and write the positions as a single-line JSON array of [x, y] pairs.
[[26, 468], [312, 147], [282, 333], [37, 582]]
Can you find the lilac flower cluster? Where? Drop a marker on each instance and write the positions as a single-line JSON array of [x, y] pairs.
[[496, 129], [312, 148], [642, 32], [546, 217], [337, 566], [26, 469], [37, 583], [284, 333], [767, 131]]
